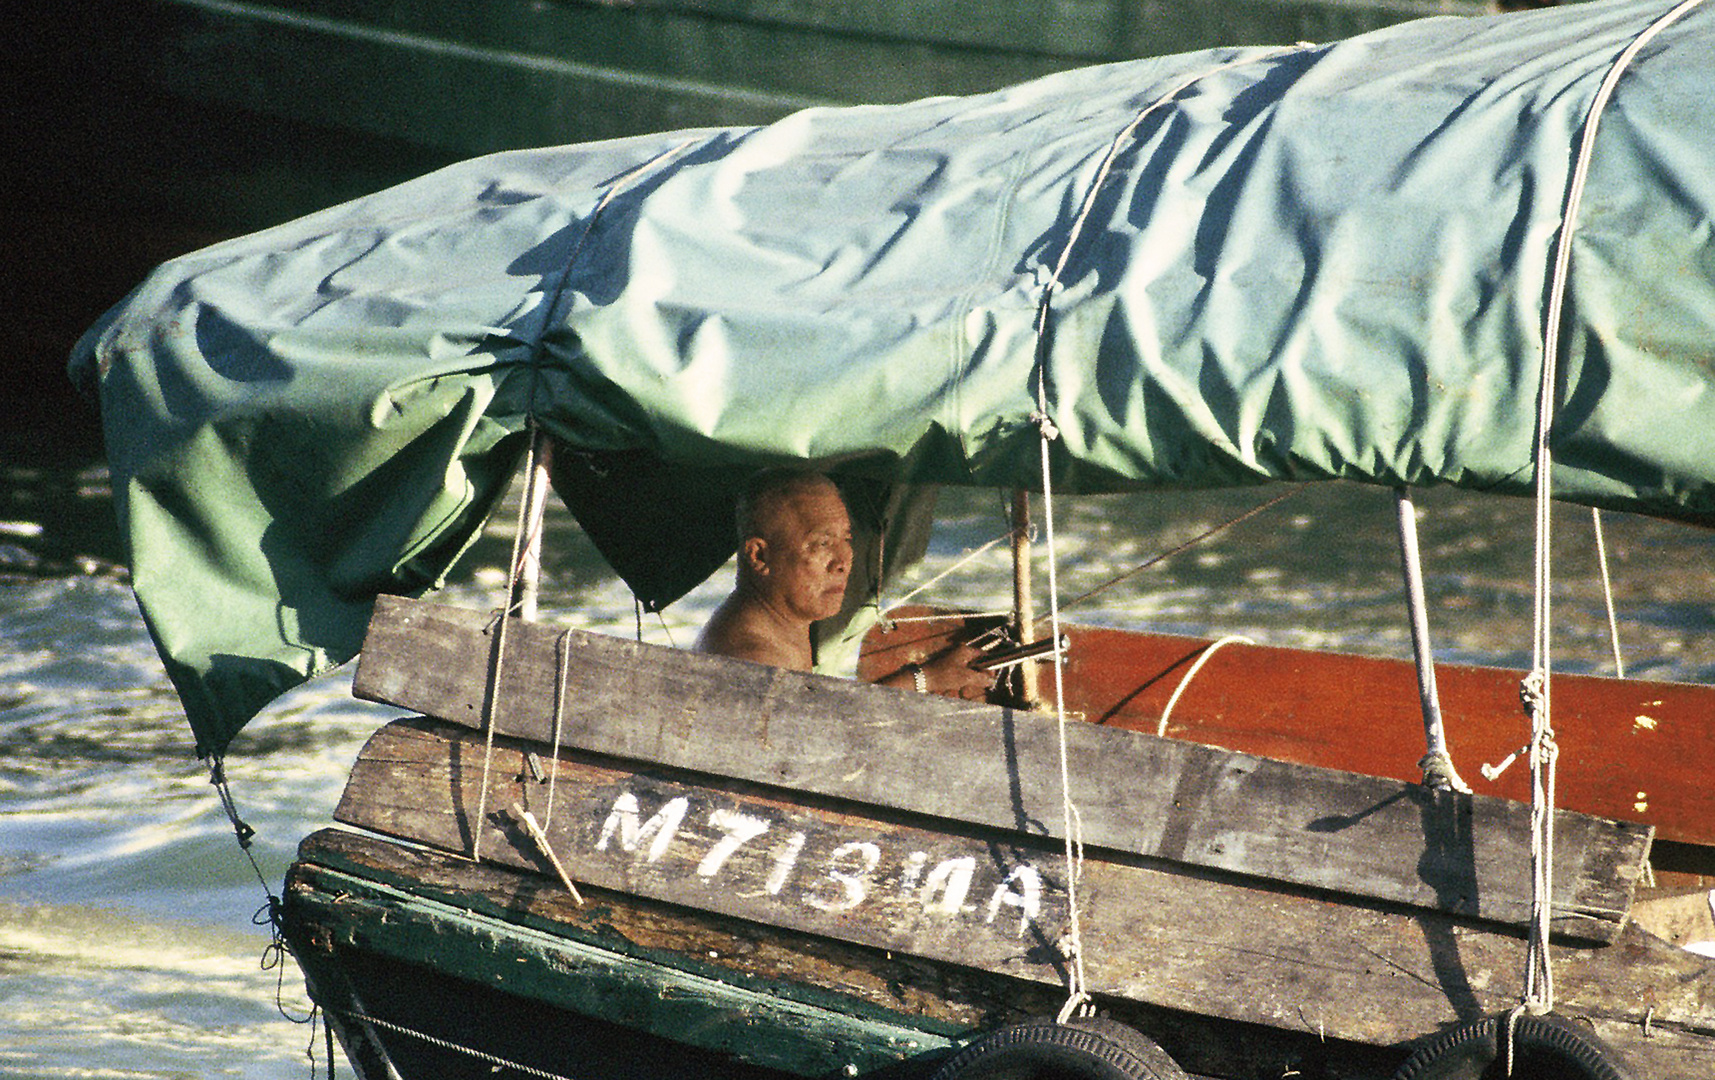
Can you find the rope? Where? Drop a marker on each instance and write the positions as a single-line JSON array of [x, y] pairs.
[[1176, 549], [948, 616], [494, 1060], [269, 914], [1112, 155], [525, 508], [932, 582], [1230, 639], [498, 655], [1539, 976], [1608, 593], [1077, 997]]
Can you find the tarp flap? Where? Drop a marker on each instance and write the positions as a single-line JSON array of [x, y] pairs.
[[1328, 261]]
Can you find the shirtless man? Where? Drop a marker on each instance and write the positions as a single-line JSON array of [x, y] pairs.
[[794, 556]]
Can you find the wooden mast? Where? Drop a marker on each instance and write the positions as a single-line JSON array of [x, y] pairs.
[[1023, 609]]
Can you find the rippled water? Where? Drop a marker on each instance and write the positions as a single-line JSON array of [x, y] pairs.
[[127, 947]]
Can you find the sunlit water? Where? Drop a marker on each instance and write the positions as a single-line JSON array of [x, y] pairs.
[[127, 946]]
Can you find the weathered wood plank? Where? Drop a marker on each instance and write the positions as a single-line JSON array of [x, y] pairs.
[[1190, 942], [753, 857], [1135, 793], [812, 969], [1632, 750], [763, 1027], [938, 998]]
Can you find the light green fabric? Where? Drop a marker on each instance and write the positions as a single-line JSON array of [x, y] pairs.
[[1313, 263]]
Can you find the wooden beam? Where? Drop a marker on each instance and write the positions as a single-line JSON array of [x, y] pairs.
[[1135, 793]]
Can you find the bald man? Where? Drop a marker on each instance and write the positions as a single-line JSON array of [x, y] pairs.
[[794, 557]]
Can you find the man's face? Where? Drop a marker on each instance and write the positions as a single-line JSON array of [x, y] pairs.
[[808, 554]]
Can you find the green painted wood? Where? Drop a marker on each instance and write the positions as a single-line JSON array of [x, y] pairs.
[[339, 912], [890, 988], [1202, 806], [950, 999]]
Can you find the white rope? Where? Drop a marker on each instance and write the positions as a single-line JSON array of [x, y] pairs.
[[1124, 136], [525, 509], [1539, 976], [1230, 639], [1608, 592], [932, 582], [498, 655], [1077, 997], [948, 616]]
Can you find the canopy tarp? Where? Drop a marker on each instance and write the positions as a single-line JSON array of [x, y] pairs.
[[1329, 261]]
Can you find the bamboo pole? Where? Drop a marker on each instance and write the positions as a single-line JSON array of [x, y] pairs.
[[1023, 609]]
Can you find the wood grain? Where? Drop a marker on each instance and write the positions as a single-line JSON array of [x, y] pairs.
[[1155, 935], [996, 767]]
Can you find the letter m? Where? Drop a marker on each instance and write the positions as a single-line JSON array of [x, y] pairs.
[[625, 820]]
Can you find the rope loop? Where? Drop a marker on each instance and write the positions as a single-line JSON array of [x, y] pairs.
[[1440, 775], [1533, 693], [1078, 1004]]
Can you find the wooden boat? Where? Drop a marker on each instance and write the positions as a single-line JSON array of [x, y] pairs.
[[584, 856], [775, 870]]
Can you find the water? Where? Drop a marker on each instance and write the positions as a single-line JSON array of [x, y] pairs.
[[127, 947]]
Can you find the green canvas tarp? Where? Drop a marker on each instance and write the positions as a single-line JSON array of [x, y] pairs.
[[1330, 261]]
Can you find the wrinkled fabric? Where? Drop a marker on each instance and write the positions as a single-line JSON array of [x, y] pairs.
[[1312, 263]]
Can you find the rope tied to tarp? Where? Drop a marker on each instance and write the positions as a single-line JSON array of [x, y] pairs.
[[1536, 688], [497, 654], [1071, 944], [1078, 1000], [271, 914]]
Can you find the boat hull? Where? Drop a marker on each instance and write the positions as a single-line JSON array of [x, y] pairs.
[[1621, 741], [747, 893]]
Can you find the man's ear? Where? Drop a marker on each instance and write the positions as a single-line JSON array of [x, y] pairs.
[[754, 552]]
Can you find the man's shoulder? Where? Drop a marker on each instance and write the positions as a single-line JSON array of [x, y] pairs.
[[731, 633]]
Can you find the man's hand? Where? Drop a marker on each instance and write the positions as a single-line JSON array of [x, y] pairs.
[[951, 672]]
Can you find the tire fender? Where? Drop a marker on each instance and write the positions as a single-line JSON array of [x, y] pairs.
[[1085, 1048], [1546, 1047]]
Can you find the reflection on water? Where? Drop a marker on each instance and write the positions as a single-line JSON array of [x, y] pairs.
[[89, 991], [126, 942]]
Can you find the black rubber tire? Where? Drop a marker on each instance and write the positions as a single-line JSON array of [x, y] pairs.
[[1547, 1047], [1085, 1048]]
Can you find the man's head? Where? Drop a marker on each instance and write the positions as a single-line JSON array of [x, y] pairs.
[[795, 543]]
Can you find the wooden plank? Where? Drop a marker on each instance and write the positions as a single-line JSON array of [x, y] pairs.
[[1191, 942], [753, 857], [942, 999], [1630, 750], [1135, 793], [811, 969], [761, 1026]]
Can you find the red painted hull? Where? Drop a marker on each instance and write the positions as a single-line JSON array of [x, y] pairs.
[[1629, 750]]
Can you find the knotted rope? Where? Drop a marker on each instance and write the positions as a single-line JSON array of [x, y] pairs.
[[1539, 977]]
